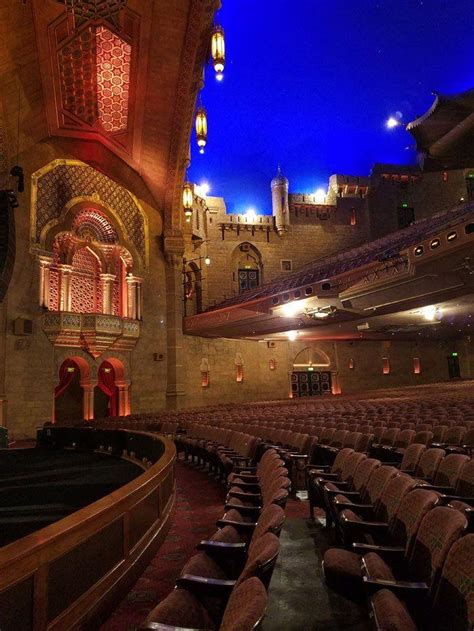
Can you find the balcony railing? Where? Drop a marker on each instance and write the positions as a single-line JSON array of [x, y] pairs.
[[92, 332]]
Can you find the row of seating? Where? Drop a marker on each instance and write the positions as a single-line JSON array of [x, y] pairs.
[[224, 585], [407, 544]]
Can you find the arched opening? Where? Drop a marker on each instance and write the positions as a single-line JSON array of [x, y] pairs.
[[69, 399], [247, 267], [106, 393], [193, 289], [311, 374]]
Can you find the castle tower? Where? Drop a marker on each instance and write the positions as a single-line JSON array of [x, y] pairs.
[[280, 205]]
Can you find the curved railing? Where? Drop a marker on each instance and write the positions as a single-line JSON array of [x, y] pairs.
[[71, 573]]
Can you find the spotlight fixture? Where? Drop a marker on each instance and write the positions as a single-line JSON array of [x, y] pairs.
[[291, 309], [207, 260], [320, 196], [292, 335]]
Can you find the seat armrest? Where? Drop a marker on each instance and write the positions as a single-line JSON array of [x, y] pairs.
[[400, 588], [366, 526], [247, 486], [217, 548], [244, 526], [251, 497], [446, 498], [364, 509], [244, 470], [245, 510], [158, 626], [299, 456], [383, 551], [206, 586], [318, 467]]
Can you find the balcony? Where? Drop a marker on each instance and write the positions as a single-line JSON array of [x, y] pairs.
[[94, 333]]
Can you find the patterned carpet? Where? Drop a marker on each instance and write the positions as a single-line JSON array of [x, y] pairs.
[[199, 504]]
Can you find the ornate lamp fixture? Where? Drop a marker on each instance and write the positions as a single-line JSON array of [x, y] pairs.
[[188, 198], [218, 51], [201, 128]]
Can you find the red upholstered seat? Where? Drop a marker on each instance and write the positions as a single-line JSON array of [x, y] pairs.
[[390, 614]]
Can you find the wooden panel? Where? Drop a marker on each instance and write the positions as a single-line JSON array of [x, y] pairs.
[[143, 516], [74, 573], [16, 607]]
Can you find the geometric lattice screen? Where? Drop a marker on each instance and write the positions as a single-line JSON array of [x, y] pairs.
[[95, 78], [84, 10]]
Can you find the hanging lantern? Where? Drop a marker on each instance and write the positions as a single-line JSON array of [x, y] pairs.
[[218, 51], [188, 195], [201, 128]]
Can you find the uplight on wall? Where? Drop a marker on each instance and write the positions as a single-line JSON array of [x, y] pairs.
[[320, 196], [272, 364], [385, 365], [351, 364], [416, 366]]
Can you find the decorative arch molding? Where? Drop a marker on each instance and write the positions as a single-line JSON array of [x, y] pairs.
[[311, 356], [63, 188], [89, 378]]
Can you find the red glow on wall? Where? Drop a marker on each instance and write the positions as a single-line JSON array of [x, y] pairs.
[[205, 379], [113, 80], [240, 374], [416, 366], [385, 365], [353, 217]]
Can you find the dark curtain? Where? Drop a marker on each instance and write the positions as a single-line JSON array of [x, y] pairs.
[[108, 387], [65, 377]]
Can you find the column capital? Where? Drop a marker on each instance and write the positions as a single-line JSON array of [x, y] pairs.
[[65, 268], [109, 277], [44, 259]]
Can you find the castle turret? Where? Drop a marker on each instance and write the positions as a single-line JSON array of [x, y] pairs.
[[280, 205]]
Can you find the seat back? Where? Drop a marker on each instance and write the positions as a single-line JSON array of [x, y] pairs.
[[261, 559], [449, 469], [363, 472], [412, 456], [438, 433], [271, 520], [341, 456], [377, 482], [453, 606], [338, 438], [454, 435], [404, 438], [440, 528], [246, 606], [429, 463], [465, 483], [424, 437], [392, 495], [412, 509]]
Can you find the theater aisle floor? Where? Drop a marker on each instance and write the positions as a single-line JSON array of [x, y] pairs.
[[298, 600]]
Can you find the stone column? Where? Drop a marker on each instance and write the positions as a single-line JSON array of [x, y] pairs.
[[44, 280], [107, 292], [131, 297], [174, 248], [139, 297], [88, 404], [65, 273], [124, 406]]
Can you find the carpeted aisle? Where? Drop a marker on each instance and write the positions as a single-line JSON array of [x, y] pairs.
[[199, 503]]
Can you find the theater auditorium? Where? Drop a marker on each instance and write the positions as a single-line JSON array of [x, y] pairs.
[[218, 417]]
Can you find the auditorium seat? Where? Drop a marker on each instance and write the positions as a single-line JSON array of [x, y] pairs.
[[343, 568], [451, 600], [371, 523], [185, 609]]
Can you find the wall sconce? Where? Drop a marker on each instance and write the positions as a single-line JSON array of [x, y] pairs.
[[385, 365], [239, 365], [272, 364], [204, 368], [416, 366], [351, 364]]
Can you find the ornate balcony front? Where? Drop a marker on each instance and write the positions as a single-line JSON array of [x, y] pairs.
[[94, 333]]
